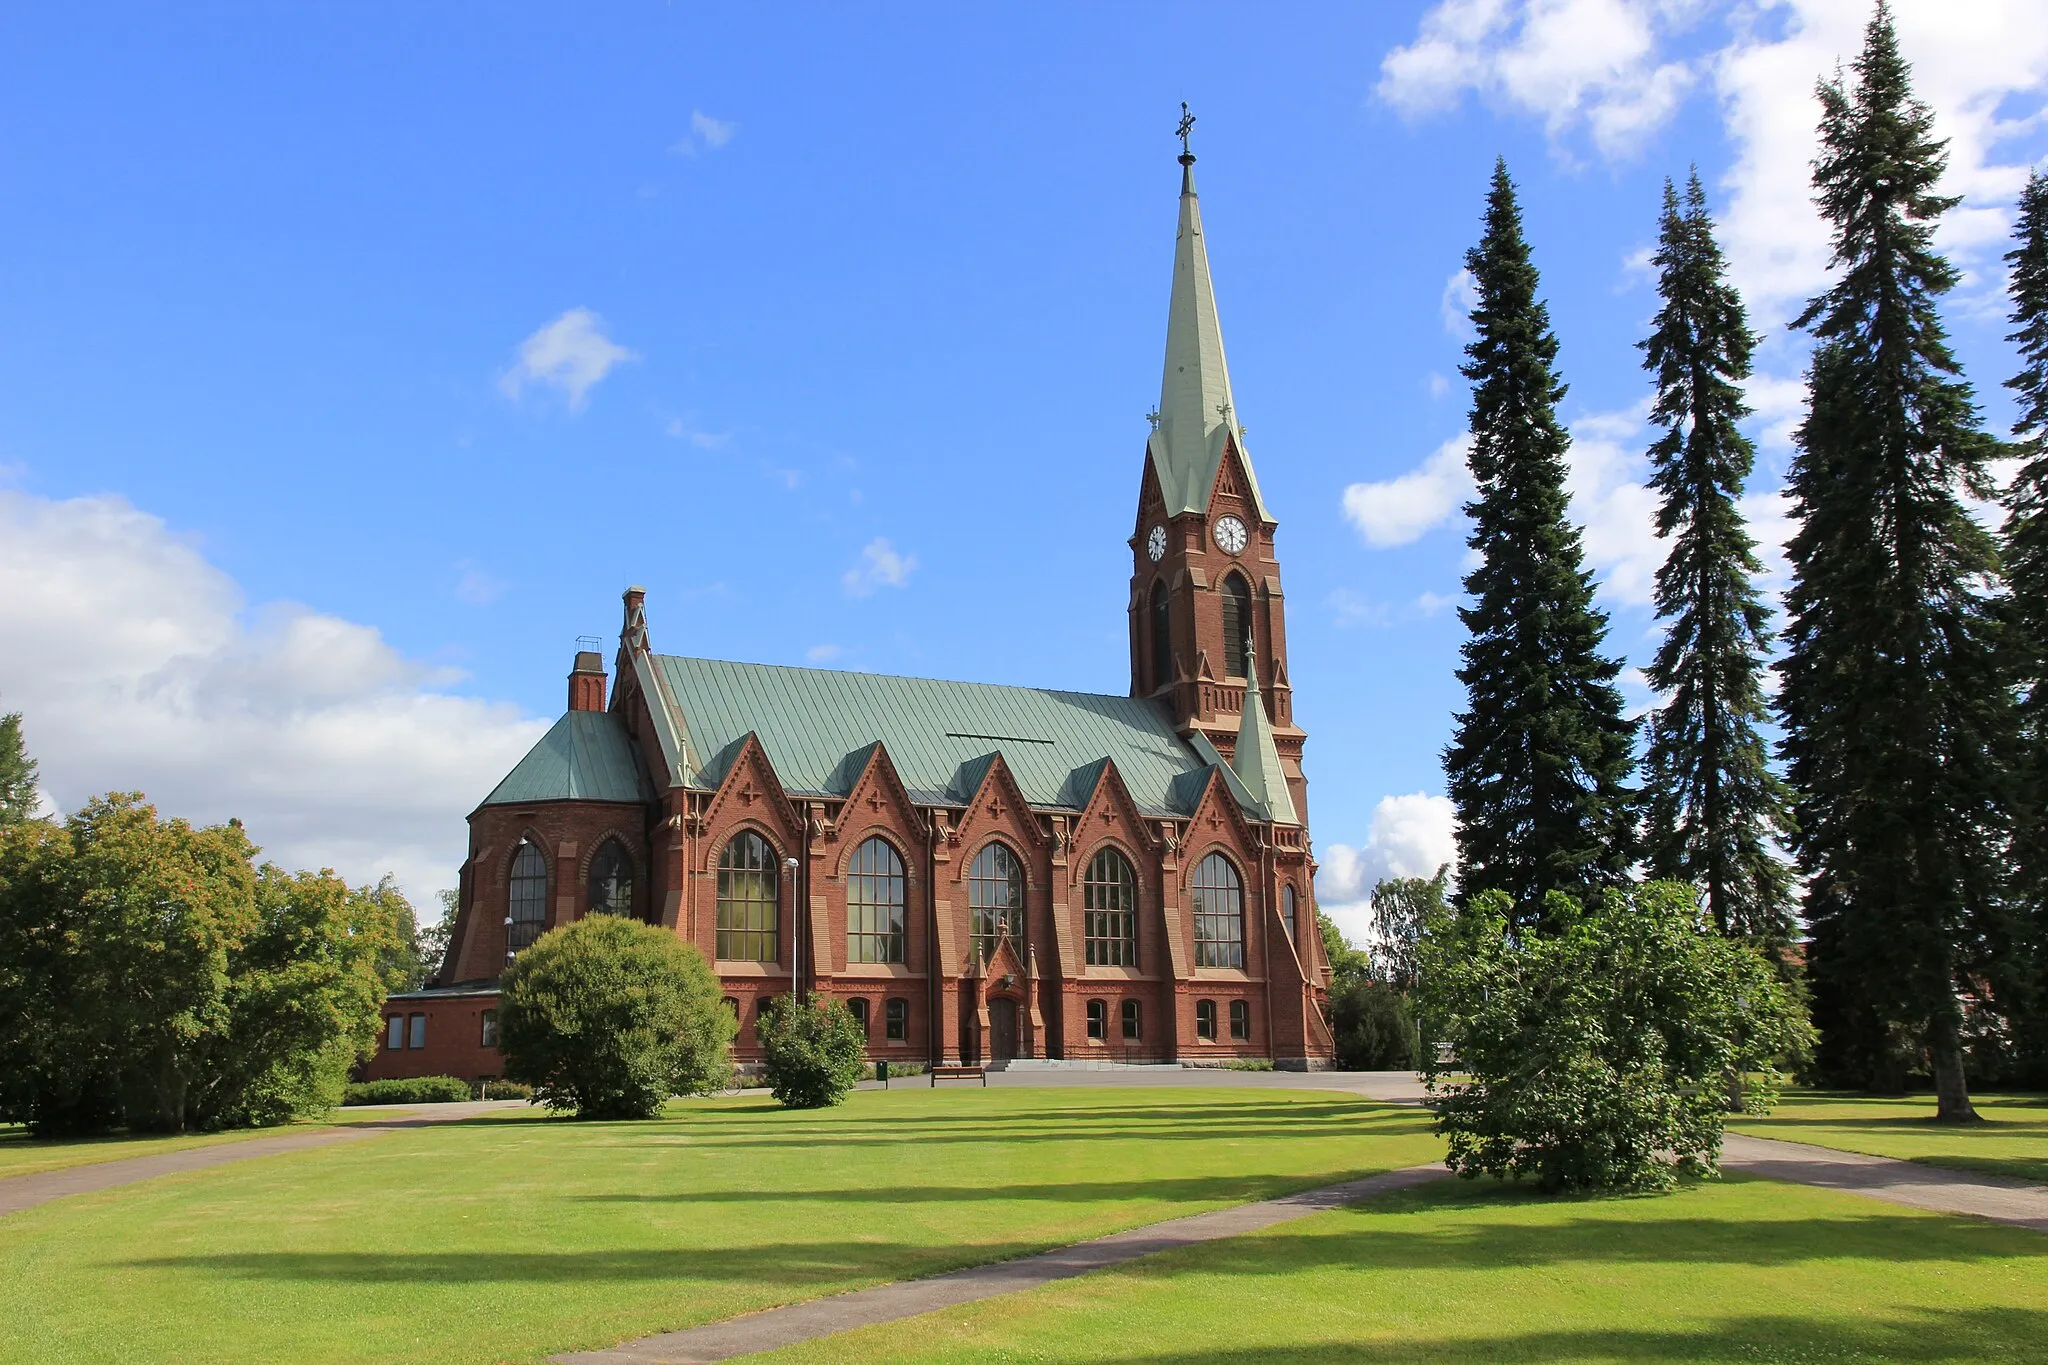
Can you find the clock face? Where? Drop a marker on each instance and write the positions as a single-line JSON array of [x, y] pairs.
[[1230, 535], [1155, 544]]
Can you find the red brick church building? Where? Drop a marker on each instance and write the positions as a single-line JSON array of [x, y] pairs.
[[981, 873]]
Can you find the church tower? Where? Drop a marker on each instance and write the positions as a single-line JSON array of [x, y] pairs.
[[1208, 619]]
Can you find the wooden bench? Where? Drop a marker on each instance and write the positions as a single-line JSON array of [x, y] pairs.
[[959, 1073]]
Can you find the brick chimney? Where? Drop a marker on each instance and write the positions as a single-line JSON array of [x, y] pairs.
[[586, 682]]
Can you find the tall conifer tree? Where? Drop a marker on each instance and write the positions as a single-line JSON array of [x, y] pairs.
[[1539, 759], [2026, 567], [1897, 717], [1713, 807]]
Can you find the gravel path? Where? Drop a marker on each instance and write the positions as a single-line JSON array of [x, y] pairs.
[[779, 1327], [1896, 1182]]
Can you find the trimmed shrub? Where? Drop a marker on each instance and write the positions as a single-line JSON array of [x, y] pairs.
[[1248, 1064], [1373, 1025], [407, 1090], [608, 1017], [815, 1052], [504, 1090]]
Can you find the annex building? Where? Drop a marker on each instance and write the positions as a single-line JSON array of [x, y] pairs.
[[982, 873]]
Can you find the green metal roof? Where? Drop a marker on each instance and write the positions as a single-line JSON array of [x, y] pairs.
[[587, 756], [817, 725]]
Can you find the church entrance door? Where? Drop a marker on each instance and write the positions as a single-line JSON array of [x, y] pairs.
[[1002, 1030]]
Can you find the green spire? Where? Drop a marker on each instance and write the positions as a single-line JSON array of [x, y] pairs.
[[1256, 760]]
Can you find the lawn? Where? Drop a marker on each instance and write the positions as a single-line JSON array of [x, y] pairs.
[[2012, 1141], [513, 1236], [21, 1154], [1745, 1270]]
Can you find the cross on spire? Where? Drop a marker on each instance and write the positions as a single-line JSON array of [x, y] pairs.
[[1187, 123]]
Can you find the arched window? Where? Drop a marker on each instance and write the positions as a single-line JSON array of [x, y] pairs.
[[611, 880], [747, 900], [1219, 914], [1110, 894], [1237, 623], [1288, 911], [995, 896], [529, 907], [1162, 637], [874, 904]]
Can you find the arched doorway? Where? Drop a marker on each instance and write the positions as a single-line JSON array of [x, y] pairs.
[[1002, 1029]]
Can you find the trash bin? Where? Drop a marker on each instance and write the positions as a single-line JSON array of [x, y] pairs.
[[882, 1074]]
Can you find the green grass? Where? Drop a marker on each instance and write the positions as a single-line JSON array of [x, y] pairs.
[[515, 1236], [2012, 1141], [21, 1154], [1746, 1270]]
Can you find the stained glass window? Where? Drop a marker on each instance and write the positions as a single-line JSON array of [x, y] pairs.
[[995, 898], [1110, 898], [874, 904], [747, 900], [1219, 914]]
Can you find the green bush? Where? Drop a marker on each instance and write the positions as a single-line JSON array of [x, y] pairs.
[[1248, 1064], [1601, 1046], [609, 1017], [153, 976], [504, 1090], [815, 1052], [1373, 1025], [407, 1090]]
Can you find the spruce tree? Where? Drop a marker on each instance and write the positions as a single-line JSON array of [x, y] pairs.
[[18, 800], [2025, 548], [1897, 718], [1539, 759], [1712, 805]]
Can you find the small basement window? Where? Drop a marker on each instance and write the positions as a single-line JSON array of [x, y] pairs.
[[1098, 1020], [897, 1014], [1241, 1020], [859, 1009], [1205, 1020], [1131, 1029]]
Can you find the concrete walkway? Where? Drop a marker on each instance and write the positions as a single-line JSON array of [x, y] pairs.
[[779, 1327], [1894, 1181], [26, 1191]]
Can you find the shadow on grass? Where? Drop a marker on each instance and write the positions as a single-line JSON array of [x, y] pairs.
[[1933, 1335], [1234, 1189], [1579, 1241]]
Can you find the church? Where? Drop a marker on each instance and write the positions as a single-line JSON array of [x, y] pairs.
[[981, 873]]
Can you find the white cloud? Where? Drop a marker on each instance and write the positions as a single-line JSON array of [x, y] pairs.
[[703, 440], [137, 666], [572, 354], [1592, 64], [476, 586], [1399, 510], [1438, 385], [1968, 61], [1460, 297], [1410, 836], [706, 134], [880, 567], [822, 654]]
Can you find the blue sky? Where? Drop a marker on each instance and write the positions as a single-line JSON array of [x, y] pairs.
[[839, 327]]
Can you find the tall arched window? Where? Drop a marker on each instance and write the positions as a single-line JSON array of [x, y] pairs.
[[1219, 914], [1237, 623], [747, 900], [874, 904], [1162, 637], [611, 880], [1110, 894], [1288, 911], [529, 905], [995, 896]]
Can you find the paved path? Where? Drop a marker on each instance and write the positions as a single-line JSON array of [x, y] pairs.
[[26, 1191], [1896, 1182], [778, 1327]]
